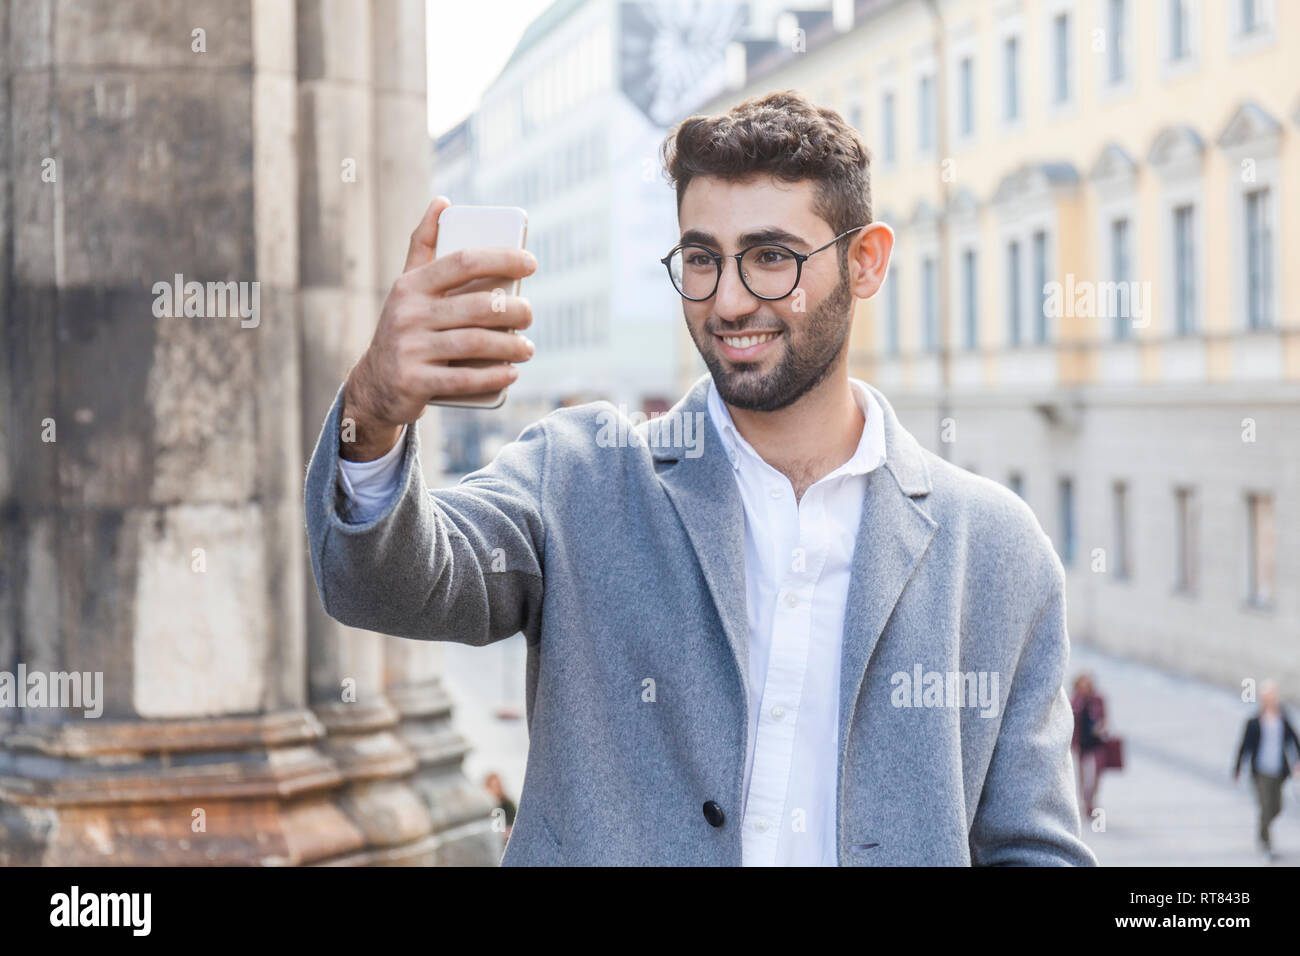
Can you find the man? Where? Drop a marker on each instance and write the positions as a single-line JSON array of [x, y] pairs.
[[1265, 741], [767, 627]]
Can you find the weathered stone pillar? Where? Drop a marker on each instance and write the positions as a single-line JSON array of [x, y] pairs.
[[151, 466], [152, 442]]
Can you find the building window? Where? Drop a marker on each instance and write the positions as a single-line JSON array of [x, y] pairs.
[[966, 102], [1016, 482], [887, 145], [1184, 270], [1117, 67], [929, 304], [1010, 78], [1185, 546], [893, 318], [1013, 292], [1259, 259], [1180, 30], [1040, 287], [1120, 274], [1250, 21], [925, 114], [970, 296], [1065, 502], [1120, 560], [1261, 556], [1061, 44]]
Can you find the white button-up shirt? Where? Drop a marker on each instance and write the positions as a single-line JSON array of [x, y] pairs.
[[798, 559]]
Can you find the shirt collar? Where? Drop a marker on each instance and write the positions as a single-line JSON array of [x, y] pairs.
[[869, 455]]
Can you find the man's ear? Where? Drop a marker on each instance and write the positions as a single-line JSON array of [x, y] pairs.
[[869, 254]]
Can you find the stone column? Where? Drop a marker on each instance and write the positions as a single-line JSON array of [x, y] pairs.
[[152, 450], [151, 469]]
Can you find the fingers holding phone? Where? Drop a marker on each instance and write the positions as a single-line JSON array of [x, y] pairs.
[[447, 330]]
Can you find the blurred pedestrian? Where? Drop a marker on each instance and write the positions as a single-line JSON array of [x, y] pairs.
[[1265, 739], [503, 802], [1089, 736]]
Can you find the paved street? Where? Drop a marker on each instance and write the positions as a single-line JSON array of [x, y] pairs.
[[1174, 805]]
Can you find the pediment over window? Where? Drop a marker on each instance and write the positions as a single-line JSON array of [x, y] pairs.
[[1114, 165], [1175, 145], [923, 216], [963, 204], [1036, 181], [1251, 127]]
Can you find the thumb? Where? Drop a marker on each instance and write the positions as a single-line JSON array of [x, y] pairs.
[[425, 237]]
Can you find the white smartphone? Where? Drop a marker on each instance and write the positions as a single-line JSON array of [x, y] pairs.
[[468, 227]]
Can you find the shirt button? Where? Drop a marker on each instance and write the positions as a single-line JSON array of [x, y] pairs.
[[791, 599], [760, 825], [778, 712], [713, 813], [774, 492]]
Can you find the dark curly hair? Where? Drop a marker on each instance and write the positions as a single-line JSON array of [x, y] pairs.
[[785, 135]]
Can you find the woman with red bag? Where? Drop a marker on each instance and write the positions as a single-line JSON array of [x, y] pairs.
[[1089, 739]]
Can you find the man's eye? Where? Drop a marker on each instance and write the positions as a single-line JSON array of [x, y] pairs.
[[698, 260], [772, 257]]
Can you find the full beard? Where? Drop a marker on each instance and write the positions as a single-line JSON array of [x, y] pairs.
[[803, 364]]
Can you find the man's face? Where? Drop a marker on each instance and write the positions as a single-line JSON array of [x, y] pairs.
[[801, 336]]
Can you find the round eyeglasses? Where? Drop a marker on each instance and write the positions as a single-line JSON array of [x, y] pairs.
[[769, 270]]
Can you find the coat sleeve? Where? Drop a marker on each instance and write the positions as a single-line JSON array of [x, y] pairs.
[[1028, 813], [1241, 751], [459, 564]]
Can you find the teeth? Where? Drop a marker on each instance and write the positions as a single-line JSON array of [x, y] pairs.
[[745, 341]]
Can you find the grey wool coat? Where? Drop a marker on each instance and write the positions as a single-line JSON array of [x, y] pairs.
[[618, 551]]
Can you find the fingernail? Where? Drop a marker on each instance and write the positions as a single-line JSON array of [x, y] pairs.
[[514, 373], [531, 347], [531, 258]]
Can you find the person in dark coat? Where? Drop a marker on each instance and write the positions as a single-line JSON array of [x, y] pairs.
[[1265, 740], [1089, 734]]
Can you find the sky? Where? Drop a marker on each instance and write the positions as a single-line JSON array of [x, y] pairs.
[[469, 43]]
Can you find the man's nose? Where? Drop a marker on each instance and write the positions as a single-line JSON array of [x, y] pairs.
[[733, 300]]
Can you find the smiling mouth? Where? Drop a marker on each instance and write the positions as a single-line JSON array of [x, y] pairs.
[[749, 340]]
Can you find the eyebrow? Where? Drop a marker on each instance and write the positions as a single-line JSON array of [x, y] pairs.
[[751, 238]]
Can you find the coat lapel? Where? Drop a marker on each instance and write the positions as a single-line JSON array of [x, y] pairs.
[[704, 493], [893, 535]]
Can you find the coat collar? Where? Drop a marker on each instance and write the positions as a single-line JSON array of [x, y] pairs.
[[893, 535]]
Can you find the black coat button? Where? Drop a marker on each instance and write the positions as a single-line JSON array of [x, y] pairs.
[[713, 813]]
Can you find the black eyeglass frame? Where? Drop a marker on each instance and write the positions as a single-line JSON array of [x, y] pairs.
[[800, 259]]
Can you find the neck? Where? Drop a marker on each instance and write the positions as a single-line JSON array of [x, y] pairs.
[[810, 438]]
